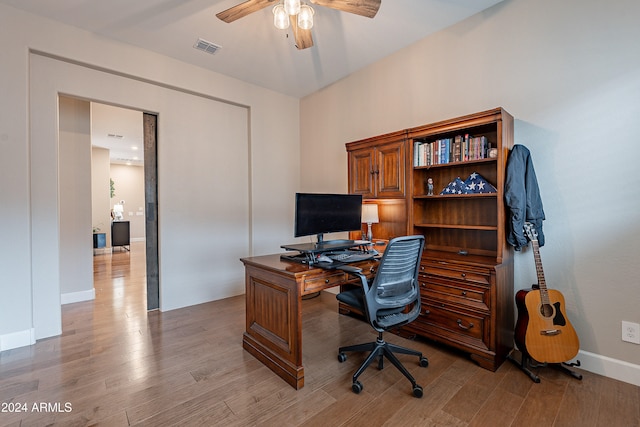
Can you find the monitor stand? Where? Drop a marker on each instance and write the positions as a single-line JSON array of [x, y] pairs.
[[326, 246], [308, 252]]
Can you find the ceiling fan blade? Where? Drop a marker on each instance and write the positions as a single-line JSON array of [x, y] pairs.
[[302, 37], [367, 8], [243, 9]]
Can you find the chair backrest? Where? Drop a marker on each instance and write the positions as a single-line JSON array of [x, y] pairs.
[[395, 286]]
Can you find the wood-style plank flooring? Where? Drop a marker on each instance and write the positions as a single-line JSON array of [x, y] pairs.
[[117, 365]]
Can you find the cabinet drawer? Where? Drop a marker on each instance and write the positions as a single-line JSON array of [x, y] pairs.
[[481, 276], [459, 326], [456, 292], [318, 283]]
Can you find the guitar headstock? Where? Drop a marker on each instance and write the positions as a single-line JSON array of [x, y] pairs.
[[531, 232]]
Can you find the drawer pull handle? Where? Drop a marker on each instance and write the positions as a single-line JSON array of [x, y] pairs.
[[463, 274], [326, 281], [464, 293], [466, 328], [427, 312]]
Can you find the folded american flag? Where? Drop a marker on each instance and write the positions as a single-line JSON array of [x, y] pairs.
[[476, 184], [457, 186]]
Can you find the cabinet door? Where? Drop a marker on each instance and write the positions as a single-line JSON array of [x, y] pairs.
[[361, 172], [120, 233], [390, 171]]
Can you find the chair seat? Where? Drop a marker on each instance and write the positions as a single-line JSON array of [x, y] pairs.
[[353, 297], [386, 318]]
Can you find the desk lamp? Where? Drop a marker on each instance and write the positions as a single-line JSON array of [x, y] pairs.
[[370, 216]]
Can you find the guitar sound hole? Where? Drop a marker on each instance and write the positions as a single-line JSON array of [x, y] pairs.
[[546, 310]]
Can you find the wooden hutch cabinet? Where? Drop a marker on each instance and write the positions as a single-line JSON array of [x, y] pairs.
[[466, 272], [377, 166], [378, 170]]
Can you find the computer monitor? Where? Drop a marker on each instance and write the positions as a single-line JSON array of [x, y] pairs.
[[317, 214]]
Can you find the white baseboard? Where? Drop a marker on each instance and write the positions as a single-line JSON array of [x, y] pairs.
[[17, 339], [72, 297], [608, 367]]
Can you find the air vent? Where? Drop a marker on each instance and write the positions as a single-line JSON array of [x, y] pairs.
[[206, 46], [114, 135]]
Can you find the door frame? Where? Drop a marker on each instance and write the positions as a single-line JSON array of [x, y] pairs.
[[150, 125]]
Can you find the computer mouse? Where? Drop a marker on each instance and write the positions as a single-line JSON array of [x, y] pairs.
[[323, 258]]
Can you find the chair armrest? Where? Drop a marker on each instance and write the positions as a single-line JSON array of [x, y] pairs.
[[356, 271]]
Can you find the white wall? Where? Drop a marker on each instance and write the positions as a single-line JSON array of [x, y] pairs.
[[129, 186], [110, 72], [100, 191], [569, 72], [76, 264]]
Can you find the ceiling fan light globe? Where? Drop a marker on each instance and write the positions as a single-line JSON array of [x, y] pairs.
[[292, 7], [280, 17], [305, 17]]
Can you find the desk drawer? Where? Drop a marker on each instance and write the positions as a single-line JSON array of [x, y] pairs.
[[330, 278], [457, 292], [318, 283], [458, 326], [481, 277]]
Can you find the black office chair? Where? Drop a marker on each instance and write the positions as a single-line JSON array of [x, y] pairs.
[[390, 301]]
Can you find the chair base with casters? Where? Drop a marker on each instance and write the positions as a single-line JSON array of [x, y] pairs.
[[390, 301], [381, 349]]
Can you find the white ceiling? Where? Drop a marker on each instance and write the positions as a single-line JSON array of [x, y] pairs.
[[119, 130], [252, 49]]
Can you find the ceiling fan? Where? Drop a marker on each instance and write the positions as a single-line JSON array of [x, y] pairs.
[[303, 38]]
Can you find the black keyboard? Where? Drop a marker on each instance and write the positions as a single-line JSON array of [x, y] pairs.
[[345, 257]]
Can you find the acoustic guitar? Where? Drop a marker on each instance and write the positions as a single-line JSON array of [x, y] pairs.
[[543, 330]]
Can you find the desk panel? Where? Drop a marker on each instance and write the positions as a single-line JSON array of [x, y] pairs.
[[274, 290]]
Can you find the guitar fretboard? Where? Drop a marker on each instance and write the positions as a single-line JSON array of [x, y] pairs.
[[544, 294], [542, 284]]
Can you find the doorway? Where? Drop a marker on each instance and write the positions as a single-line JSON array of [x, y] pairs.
[[124, 187]]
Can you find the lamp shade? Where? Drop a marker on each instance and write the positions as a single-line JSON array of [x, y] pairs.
[[370, 213], [305, 17], [280, 17], [292, 7]]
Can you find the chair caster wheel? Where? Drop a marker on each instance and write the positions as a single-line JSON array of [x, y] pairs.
[[357, 387], [417, 391], [342, 357], [424, 362]]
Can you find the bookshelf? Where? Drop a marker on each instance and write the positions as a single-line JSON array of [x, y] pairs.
[[466, 272]]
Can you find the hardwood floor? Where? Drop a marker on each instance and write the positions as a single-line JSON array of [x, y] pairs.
[[117, 365]]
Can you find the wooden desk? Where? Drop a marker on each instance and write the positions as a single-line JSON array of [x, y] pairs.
[[274, 290]]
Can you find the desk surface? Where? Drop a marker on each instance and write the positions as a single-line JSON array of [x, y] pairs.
[[275, 263]]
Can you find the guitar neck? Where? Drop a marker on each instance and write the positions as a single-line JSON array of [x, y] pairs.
[[544, 294]]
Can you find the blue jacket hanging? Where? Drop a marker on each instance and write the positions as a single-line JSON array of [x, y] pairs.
[[522, 196]]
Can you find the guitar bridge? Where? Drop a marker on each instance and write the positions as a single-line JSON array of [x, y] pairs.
[[550, 332]]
